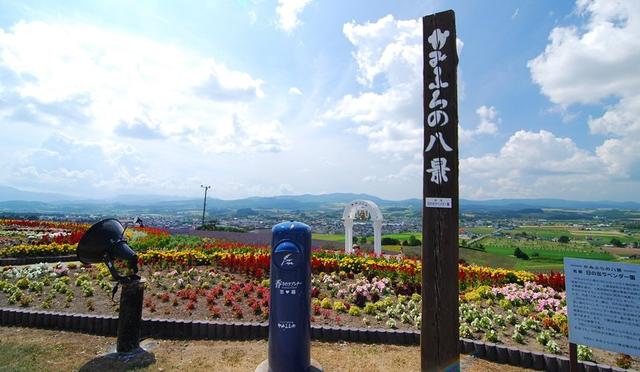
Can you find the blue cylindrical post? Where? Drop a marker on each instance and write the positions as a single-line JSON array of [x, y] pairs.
[[289, 309]]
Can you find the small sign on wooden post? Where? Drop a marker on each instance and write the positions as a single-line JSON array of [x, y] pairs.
[[439, 335]]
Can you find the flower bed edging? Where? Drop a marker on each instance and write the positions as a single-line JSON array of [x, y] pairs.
[[14, 261], [104, 325]]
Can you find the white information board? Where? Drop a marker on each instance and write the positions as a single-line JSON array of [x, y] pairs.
[[603, 303]]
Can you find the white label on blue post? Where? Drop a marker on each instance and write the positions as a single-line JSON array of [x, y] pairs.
[[603, 303], [437, 202]]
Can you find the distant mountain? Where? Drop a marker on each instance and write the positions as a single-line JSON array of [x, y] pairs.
[[515, 204], [8, 193], [15, 200]]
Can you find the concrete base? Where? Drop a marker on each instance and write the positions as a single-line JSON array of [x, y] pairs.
[[138, 358], [264, 366]]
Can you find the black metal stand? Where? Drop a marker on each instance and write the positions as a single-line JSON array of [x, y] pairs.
[[128, 353], [130, 316]]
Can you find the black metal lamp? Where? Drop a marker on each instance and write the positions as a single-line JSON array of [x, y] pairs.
[[104, 242]]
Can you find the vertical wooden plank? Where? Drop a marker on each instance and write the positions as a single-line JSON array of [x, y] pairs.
[[573, 357], [439, 336]]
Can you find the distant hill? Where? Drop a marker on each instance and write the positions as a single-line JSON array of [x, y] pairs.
[[8, 193], [19, 201], [516, 204]]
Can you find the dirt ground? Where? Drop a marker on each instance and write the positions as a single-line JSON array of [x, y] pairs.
[[25, 349]]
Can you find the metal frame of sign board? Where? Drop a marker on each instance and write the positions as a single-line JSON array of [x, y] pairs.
[[603, 302]]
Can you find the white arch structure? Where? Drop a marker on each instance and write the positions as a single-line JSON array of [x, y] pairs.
[[376, 217]]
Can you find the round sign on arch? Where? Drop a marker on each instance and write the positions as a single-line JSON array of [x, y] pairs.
[[376, 217]]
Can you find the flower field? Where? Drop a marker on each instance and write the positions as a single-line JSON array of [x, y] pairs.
[[196, 278]]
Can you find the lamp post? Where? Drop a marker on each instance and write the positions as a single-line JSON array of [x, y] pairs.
[[204, 207]]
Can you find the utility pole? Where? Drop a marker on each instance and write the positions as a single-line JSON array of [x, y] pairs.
[[204, 207]]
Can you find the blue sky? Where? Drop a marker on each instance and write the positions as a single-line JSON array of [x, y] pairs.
[[261, 97]]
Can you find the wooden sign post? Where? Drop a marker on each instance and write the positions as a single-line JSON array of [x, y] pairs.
[[439, 335]]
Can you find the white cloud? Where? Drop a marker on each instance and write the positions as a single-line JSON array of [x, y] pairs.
[[594, 62], [318, 124], [536, 164], [114, 84], [408, 173], [388, 53], [391, 50], [295, 91], [586, 65], [246, 136], [386, 47], [79, 166], [288, 12], [489, 118]]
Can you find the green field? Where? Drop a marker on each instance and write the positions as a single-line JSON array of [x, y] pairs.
[[340, 237], [329, 237], [544, 254], [472, 256], [596, 236], [481, 230]]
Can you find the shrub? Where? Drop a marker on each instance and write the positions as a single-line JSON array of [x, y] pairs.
[[25, 300], [505, 304], [552, 347], [585, 353], [22, 283], [484, 291], [370, 308], [354, 311], [624, 361], [413, 241], [15, 296], [523, 311], [339, 306], [237, 311], [543, 337], [215, 311], [520, 254], [391, 323], [390, 241], [36, 286], [472, 296], [87, 290], [517, 337], [325, 303], [492, 336], [465, 331]]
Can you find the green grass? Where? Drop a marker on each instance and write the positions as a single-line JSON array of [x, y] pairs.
[[543, 232], [404, 235], [329, 237], [487, 259], [391, 248], [480, 230], [22, 357]]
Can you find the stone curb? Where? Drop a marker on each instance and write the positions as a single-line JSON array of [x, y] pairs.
[[104, 325]]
